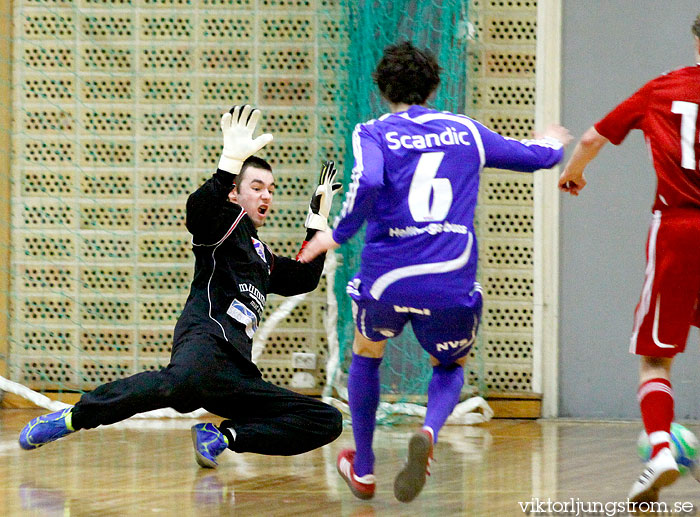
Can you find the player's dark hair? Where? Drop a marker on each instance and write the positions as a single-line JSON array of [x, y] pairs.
[[407, 74], [696, 26], [252, 161]]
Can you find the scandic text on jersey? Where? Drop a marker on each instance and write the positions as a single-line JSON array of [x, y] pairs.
[[448, 137]]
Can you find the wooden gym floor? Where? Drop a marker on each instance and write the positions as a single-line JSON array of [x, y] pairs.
[[148, 468]]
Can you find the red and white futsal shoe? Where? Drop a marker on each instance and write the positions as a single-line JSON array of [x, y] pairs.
[[361, 487]]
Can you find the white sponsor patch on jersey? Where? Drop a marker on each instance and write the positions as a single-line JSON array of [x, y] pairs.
[[242, 314]]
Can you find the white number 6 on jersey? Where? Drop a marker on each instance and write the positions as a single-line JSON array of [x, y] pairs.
[[424, 185]]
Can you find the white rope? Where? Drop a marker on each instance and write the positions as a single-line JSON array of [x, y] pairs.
[[331, 325], [45, 402], [32, 396], [292, 302], [474, 410], [270, 324]]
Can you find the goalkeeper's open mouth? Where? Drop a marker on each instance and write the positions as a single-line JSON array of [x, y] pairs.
[[259, 214]]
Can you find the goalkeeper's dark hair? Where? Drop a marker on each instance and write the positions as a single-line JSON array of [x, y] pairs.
[[696, 26], [251, 161], [407, 74]]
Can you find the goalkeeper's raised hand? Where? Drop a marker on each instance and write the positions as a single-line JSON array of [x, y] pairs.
[[322, 198], [237, 127]]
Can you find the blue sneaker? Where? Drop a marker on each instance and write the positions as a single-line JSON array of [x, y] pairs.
[[46, 428], [208, 442]]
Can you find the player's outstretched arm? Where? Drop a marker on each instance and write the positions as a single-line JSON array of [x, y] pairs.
[[320, 243], [543, 152], [572, 180], [557, 132]]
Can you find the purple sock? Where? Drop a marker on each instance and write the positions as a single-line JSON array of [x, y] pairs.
[[363, 398], [443, 395]]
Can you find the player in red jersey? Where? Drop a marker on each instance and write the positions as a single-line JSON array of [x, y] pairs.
[[666, 110]]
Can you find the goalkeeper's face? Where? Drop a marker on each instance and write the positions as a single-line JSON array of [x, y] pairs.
[[254, 193]]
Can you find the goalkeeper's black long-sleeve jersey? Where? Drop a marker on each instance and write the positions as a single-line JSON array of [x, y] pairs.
[[234, 271]]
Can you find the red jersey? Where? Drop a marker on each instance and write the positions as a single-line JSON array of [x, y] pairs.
[[666, 110]]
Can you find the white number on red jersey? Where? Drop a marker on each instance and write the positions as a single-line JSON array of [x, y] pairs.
[[689, 122]]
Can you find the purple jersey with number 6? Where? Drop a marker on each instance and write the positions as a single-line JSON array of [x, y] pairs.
[[415, 181]]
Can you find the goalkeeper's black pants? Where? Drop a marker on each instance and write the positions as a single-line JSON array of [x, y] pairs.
[[208, 373]]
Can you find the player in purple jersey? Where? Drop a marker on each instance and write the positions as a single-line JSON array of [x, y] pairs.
[[415, 182]]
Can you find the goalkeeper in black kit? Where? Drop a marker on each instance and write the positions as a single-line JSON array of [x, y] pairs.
[[210, 365]]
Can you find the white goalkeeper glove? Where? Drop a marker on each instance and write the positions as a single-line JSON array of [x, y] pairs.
[[322, 198], [237, 127]]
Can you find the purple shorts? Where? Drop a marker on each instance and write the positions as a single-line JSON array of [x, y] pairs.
[[446, 334]]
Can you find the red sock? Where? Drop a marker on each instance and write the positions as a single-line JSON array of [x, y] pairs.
[[655, 398]]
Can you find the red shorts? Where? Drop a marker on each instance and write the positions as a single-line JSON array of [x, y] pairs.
[[668, 305]]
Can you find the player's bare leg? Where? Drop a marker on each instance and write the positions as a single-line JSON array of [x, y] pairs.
[[655, 396]]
